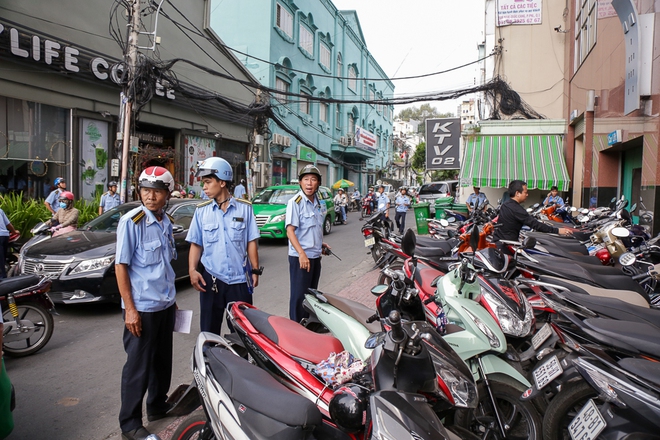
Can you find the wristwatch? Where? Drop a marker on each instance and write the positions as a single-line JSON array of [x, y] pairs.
[[258, 271]]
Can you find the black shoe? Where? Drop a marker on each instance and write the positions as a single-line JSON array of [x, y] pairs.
[[137, 434], [160, 414]]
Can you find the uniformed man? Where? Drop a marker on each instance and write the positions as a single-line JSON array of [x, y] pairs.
[[223, 235], [383, 201], [145, 247], [109, 199], [52, 201], [305, 214]]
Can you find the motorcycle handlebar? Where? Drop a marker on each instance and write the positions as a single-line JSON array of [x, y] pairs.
[[394, 320]]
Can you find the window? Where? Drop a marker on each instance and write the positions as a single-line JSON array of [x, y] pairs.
[[585, 29], [352, 78], [304, 103], [284, 20], [281, 86], [338, 116], [351, 125], [339, 65], [325, 56], [323, 112], [306, 40]]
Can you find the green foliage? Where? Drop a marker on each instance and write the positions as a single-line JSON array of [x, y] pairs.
[[419, 158], [24, 214], [424, 112], [87, 210]]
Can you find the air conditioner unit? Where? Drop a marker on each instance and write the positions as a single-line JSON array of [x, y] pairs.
[[350, 141], [286, 141], [343, 140], [276, 138]]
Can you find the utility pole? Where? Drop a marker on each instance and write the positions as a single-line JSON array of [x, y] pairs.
[[257, 140], [130, 59]]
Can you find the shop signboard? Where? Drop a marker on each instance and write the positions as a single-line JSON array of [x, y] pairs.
[[443, 143], [365, 139], [197, 149], [614, 137], [519, 12], [306, 154], [94, 146]]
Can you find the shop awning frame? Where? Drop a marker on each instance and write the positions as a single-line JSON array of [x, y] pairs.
[[494, 161]]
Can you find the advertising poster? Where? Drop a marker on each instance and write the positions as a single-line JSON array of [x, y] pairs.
[[443, 137], [197, 149], [519, 12], [365, 139], [94, 144]]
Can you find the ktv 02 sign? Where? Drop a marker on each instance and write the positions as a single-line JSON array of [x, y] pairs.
[[443, 144]]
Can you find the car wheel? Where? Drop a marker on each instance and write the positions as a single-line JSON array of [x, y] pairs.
[[327, 226]]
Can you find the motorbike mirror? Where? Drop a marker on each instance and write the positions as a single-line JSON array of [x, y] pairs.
[[633, 207], [620, 232], [408, 243], [627, 259], [529, 243], [379, 289], [451, 219], [375, 340], [583, 218], [573, 209], [591, 214], [584, 211], [444, 223], [535, 205], [529, 210], [474, 238], [625, 215]]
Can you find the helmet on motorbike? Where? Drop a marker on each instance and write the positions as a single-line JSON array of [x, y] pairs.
[[310, 169], [59, 180], [216, 166], [156, 177], [348, 407], [605, 257], [66, 195]]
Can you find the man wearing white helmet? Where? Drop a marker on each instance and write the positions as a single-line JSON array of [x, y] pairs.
[[305, 214], [145, 247], [223, 235]]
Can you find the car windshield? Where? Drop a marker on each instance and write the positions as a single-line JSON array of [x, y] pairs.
[[433, 188], [108, 221], [278, 196]]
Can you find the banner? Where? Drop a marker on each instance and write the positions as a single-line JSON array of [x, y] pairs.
[[198, 149], [443, 138], [365, 139], [94, 146], [519, 12]]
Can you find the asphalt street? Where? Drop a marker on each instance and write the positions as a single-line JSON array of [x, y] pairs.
[[70, 389]]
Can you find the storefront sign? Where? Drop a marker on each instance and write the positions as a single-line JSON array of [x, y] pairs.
[[40, 49], [443, 144], [94, 150], [365, 139], [149, 138], [614, 138], [306, 154], [519, 12]]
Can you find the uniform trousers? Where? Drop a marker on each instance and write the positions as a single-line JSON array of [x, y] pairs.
[[148, 367], [400, 218], [212, 303], [300, 281]]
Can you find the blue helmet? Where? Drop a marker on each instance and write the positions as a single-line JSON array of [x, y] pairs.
[[215, 166], [59, 180]]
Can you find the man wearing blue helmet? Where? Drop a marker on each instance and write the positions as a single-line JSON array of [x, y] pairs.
[[223, 236], [52, 201]]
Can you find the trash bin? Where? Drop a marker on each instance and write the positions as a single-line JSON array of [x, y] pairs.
[[421, 214], [460, 208], [440, 205]]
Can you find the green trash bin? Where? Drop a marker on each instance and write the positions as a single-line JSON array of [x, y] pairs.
[[440, 205], [460, 207], [421, 215]]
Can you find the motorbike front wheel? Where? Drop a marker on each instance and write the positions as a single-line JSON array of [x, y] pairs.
[[563, 409], [384, 279], [521, 419], [194, 427], [42, 323], [377, 254]]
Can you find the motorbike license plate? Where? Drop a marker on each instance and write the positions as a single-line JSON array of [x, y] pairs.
[[369, 241], [545, 374], [588, 423], [541, 336]]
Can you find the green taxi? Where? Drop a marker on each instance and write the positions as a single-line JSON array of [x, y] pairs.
[[270, 209]]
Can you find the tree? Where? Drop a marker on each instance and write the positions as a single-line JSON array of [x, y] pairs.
[[424, 112]]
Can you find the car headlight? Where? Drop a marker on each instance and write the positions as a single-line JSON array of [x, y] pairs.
[[277, 218], [510, 323], [90, 265], [493, 340]]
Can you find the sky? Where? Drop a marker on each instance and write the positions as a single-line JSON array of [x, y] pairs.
[[416, 37]]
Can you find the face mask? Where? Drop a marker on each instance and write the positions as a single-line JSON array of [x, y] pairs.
[[62, 205]]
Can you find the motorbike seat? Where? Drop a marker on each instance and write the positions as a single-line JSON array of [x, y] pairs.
[[639, 335], [293, 337], [256, 389], [431, 252], [355, 310], [431, 242], [643, 368], [14, 284], [625, 296]]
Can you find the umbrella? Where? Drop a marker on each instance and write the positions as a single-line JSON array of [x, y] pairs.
[[342, 183]]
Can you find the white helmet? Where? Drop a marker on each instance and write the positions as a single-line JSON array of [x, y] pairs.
[[217, 167], [156, 177]]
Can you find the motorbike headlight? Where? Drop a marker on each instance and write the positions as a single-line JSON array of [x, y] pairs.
[[493, 340], [461, 390], [510, 323], [91, 265], [277, 218]]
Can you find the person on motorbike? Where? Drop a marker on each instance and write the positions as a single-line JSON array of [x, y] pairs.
[[554, 197], [341, 201], [513, 217], [145, 248], [66, 218], [5, 229], [369, 201], [110, 199], [51, 201], [355, 199], [192, 194], [305, 215], [402, 203], [476, 199]]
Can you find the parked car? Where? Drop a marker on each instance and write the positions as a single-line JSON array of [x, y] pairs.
[[81, 262], [429, 192], [270, 209]]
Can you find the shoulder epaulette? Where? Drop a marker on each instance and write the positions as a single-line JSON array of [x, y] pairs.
[[298, 199], [247, 202], [137, 218], [170, 217], [208, 202]]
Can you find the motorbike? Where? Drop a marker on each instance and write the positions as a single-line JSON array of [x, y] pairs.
[[367, 206], [13, 252], [265, 384], [27, 314]]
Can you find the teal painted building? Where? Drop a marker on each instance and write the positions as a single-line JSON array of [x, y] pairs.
[[314, 50]]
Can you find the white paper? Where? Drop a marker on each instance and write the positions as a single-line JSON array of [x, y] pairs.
[[183, 321]]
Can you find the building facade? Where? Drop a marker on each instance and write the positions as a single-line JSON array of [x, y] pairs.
[[60, 93], [319, 54]]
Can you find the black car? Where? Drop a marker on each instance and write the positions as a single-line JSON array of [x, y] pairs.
[[81, 262]]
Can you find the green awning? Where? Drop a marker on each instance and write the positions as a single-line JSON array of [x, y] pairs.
[[494, 161]]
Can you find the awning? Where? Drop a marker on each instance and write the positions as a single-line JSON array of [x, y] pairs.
[[494, 161]]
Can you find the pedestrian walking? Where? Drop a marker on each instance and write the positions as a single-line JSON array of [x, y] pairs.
[[383, 201], [239, 191], [402, 203], [51, 201], [145, 248], [305, 214], [109, 199], [5, 229], [223, 236]]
